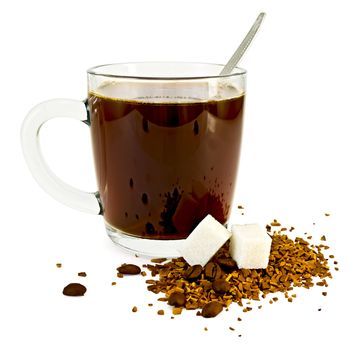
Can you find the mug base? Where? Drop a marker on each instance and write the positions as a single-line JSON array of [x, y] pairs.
[[145, 246]]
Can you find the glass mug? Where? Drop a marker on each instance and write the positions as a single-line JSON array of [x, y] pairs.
[[166, 143]]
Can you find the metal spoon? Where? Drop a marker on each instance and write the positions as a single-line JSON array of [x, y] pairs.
[[233, 61]]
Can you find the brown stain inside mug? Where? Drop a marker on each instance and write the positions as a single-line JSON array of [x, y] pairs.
[[163, 165]]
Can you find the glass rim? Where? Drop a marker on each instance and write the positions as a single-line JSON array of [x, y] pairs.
[[94, 71]]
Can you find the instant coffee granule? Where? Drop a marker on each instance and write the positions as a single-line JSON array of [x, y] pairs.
[[292, 263]]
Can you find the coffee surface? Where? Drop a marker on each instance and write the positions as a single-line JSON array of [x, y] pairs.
[[165, 158]]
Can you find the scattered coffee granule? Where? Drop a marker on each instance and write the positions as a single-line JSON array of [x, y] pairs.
[[231, 328], [58, 265], [290, 299], [205, 328], [319, 309], [275, 223], [134, 309], [336, 268], [291, 229], [274, 299], [240, 207], [74, 290], [150, 304], [323, 238], [114, 283], [159, 260], [150, 281], [309, 237], [143, 273], [324, 294], [177, 310], [82, 274], [260, 306], [335, 262], [239, 319], [331, 256], [268, 228], [270, 301], [160, 312], [327, 214], [120, 275]]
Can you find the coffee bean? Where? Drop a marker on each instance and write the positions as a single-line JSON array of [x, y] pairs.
[[226, 264], [221, 286], [212, 309], [74, 290], [193, 272], [212, 271], [129, 269], [177, 299]]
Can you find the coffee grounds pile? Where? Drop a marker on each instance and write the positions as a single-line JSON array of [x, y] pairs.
[[292, 263]]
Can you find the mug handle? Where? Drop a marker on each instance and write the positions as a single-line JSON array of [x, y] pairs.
[[58, 189]]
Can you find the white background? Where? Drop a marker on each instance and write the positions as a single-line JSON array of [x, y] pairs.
[[294, 167]]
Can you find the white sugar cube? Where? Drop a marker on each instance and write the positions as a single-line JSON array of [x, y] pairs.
[[250, 246], [204, 241]]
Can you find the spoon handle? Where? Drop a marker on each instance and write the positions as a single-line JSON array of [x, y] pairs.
[[233, 61]]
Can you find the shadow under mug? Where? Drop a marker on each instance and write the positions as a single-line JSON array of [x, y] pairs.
[[166, 140]]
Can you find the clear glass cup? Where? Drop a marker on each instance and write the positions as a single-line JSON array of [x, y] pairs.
[[166, 140]]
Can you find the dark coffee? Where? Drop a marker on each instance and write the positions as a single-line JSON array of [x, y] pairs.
[[163, 163]]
